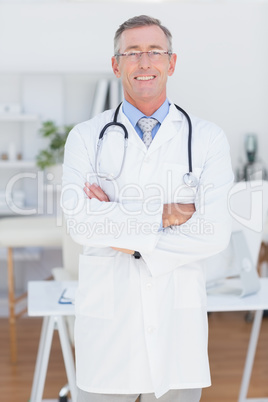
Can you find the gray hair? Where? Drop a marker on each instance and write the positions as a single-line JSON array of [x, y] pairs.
[[137, 22]]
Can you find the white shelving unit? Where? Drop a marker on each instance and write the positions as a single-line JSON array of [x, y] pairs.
[[12, 167]]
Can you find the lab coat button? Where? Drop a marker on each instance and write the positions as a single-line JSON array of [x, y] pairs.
[[149, 286], [147, 160]]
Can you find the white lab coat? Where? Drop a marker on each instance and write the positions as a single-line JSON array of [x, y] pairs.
[[141, 324]]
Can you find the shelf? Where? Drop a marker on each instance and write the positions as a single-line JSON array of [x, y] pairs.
[[20, 117], [17, 164]]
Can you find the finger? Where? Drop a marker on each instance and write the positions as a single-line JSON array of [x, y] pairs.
[[184, 209], [87, 190], [165, 223], [98, 193], [94, 191], [87, 184], [89, 193]]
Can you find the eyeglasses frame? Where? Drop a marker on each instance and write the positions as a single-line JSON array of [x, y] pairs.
[[140, 53]]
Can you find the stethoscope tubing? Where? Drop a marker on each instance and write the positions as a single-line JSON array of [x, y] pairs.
[[112, 123], [189, 137], [189, 178]]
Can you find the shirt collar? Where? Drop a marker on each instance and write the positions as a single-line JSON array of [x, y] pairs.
[[134, 114]]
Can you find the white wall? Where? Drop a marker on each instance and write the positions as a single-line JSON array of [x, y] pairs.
[[222, 54]]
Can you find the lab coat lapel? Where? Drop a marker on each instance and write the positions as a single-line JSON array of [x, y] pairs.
[[168, 129], [133, 137]]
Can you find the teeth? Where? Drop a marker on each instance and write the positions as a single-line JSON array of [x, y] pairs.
[[147, 78]]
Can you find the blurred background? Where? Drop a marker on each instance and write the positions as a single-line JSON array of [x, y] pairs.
[[55, 71]]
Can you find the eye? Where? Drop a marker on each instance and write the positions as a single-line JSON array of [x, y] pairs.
[[156, 53], [133, 54]]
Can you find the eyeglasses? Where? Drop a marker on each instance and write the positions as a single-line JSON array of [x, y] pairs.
[[154, 55]]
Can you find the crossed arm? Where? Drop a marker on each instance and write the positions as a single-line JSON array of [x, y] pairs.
[[174, 214]]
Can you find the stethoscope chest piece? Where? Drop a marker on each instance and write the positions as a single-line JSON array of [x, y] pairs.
[[190, 180]]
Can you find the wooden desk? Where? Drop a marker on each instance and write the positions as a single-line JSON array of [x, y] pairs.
[[43, 302]]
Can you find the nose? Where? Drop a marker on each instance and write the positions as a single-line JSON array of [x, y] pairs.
[[144, 61]]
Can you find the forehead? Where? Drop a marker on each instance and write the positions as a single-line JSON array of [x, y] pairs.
[[143, 38]]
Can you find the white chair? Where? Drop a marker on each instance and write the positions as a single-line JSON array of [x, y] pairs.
[[24, 232]]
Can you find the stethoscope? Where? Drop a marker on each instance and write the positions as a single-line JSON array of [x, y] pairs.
[[189, 179]]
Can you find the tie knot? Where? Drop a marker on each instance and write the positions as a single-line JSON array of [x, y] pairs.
[[146, 124]]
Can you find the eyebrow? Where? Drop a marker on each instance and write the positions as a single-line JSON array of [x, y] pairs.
[[137, 47]]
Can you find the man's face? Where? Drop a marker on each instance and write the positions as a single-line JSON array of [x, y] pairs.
[[144, 80]]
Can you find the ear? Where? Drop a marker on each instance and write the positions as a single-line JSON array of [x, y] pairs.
[[115, 67], [172, 64]]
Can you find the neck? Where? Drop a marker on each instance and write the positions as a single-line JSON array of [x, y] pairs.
[[147, 107]]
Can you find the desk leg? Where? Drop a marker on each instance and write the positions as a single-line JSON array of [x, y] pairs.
[[68, 357], [42, 359], [250, 355]]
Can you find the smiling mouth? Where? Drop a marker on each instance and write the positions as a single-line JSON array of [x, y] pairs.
[[145, 78]]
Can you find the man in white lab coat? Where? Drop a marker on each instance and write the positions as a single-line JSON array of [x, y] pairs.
[[141, 320]]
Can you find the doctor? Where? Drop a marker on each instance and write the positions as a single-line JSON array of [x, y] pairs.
[[141, 320]]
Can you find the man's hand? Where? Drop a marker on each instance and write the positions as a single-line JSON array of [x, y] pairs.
[[94, 191], [177, 214], [123, 250]]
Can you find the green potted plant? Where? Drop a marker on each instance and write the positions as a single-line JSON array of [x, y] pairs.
[[50, 158], [53, 154]]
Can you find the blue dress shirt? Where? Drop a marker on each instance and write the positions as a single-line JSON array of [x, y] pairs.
[[134, 115]]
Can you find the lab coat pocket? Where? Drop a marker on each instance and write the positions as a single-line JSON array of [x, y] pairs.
[[190, 289], [95, 294]]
